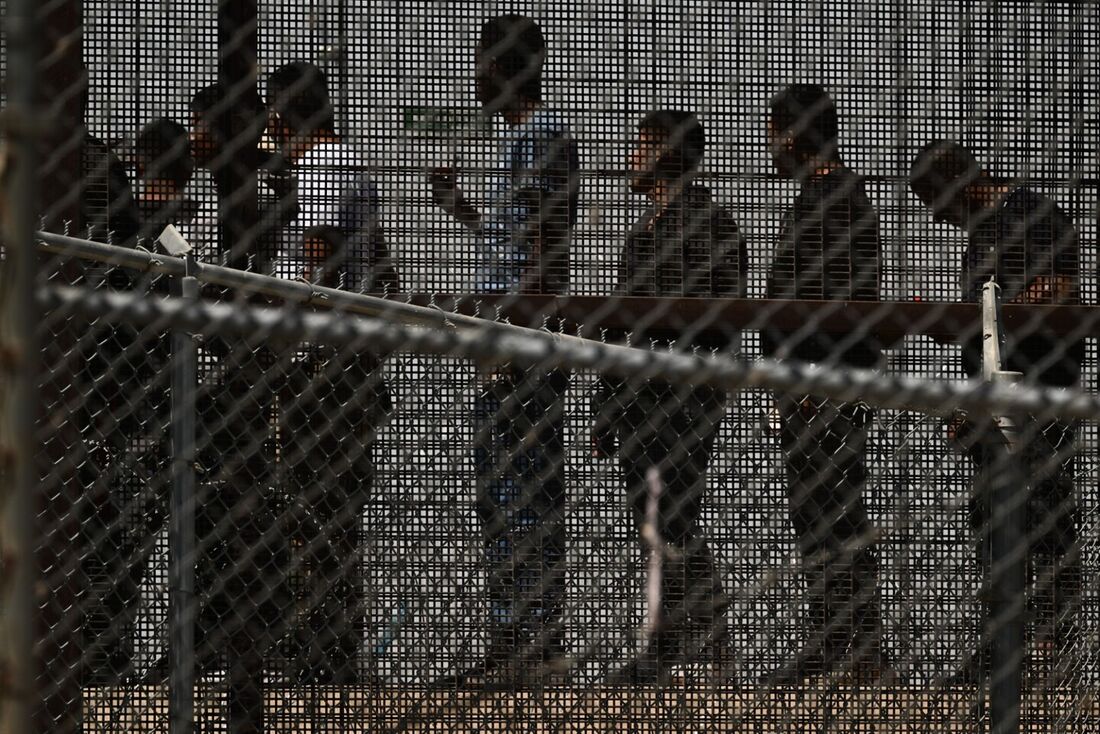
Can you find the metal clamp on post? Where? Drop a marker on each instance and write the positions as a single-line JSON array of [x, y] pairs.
[[181, 526], [1008, 490]]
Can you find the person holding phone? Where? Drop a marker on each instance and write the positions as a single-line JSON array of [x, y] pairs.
[[519, 452]]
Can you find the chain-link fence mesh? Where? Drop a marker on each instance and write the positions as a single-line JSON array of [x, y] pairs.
[[681, 442]]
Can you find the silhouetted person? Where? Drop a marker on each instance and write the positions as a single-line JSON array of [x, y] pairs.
[[522, 247], [226, 129], [333, 204], [828, 249], [163, 164], [684, 245], [127, 403], [240, 579], [333, 400], [107, 198], [1025, 243], [113, 416], [163, 167]]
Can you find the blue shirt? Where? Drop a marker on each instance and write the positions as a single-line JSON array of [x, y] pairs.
[[532, 205]]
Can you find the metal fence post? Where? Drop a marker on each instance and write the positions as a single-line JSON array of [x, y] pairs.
[[241, 243], [1008, 538], [63, 654], [181, 528], [19, 699]]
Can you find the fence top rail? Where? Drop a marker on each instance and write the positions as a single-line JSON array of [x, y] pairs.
[[246, 282], [889, 321], [531, 346]]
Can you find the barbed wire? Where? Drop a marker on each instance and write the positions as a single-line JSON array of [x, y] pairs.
[[496, 342]]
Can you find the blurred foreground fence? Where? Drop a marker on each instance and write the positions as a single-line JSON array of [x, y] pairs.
[[367, 607], [550, 366]]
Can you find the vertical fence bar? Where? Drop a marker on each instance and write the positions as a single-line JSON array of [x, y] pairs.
[[181, 528], [1007, 539], [239, 222], [62, 650], [17, 359], [1008, 548]]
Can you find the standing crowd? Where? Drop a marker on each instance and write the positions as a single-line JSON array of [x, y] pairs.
[[321, 222]]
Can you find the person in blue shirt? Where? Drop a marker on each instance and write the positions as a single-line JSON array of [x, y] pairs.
[[522, 248], [1030, 247]]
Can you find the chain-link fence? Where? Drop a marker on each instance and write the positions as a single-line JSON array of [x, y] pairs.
[[561, 366]]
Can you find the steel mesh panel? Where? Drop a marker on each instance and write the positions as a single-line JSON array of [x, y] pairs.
[[400, 540]]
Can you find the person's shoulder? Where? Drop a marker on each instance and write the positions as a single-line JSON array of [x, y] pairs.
[[1034, 207], [697, 193], [702, 196], [550, 121], [699, 199], [1025, 197], [643, 224], [843, 177], [1021, 193], [333, 165], [845, 188], [723, 220], [332, 154], [1019, 199]]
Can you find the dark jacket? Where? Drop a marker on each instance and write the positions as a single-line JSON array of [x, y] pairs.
[[828, 250], [1026, 237], [691, 249]]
